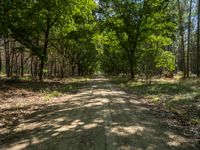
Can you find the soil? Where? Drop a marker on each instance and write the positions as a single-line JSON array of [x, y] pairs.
[[98, 116]]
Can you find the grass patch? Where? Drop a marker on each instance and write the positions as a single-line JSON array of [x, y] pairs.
[[178, 96], [157, 88], [52, 94], [188, 109], [68, 88]]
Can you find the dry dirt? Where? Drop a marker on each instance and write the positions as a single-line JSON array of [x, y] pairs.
[[100, 116]]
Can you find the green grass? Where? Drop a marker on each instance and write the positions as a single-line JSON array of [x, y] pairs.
[[51, 94], [157, 88], [48, 88], [69, 88], [181, 97]]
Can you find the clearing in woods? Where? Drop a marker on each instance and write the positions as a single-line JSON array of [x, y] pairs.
[[96, 116]]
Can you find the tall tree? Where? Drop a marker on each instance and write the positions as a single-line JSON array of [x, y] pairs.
[[198, 42], [181, 32], [133, 22], [189, 41], [0, 62]]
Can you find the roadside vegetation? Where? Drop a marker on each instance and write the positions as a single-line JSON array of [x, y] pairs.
[[20, 98], [174, 98]]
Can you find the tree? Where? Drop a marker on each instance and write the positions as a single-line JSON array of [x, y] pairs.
[[189, 33], [132, 22], [43, 16], [46, 19], [181, 32], [198, 40], [0, 62]]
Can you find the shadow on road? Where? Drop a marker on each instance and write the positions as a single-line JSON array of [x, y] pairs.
[[100, 116]]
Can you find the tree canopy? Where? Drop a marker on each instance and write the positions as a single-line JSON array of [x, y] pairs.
[[78, 37]]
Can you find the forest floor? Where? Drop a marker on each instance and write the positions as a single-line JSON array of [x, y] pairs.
[[91, 114], [176, 99]]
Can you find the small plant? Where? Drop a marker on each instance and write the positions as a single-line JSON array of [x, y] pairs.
[[68, 88], [49, 95]]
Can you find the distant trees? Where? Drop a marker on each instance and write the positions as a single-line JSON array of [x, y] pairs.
[[188, 16], [40, 26]]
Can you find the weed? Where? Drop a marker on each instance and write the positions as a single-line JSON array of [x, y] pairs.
[[49, 95]]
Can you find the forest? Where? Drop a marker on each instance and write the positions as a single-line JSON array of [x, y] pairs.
[[99, 74]]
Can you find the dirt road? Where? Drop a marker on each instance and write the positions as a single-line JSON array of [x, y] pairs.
[[98, 117]]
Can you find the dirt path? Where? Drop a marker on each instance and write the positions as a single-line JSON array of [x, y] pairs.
[[99, 117]]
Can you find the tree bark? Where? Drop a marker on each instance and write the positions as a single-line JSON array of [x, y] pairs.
[[22, 64], [181, 30], [0, 62], [198, 46], [7, 53], [188, 48], [43, 58], [131, 66]]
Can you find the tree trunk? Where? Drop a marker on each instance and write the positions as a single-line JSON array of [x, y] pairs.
[[181, 30], [7, 53], [131, 66], [55, 69], [13, 54], [41, 69], [15, 64], [22, 64], [32, 74], [35, 66], [43, 58], [12, 67], [188, 48], [0, 62], [198, 46], [51, 68], [73, 70]]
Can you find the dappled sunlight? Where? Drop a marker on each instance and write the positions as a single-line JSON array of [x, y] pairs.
[[70, 126], [98, 117], [89, 126], [127, 131], [19, 145], [175, 99], [175, 140]]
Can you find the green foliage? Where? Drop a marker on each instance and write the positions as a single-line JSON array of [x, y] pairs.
[[116, 36], [166, 61], [63, 27], [178, 97], [140, 29], [69, 88], [51, 94]]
